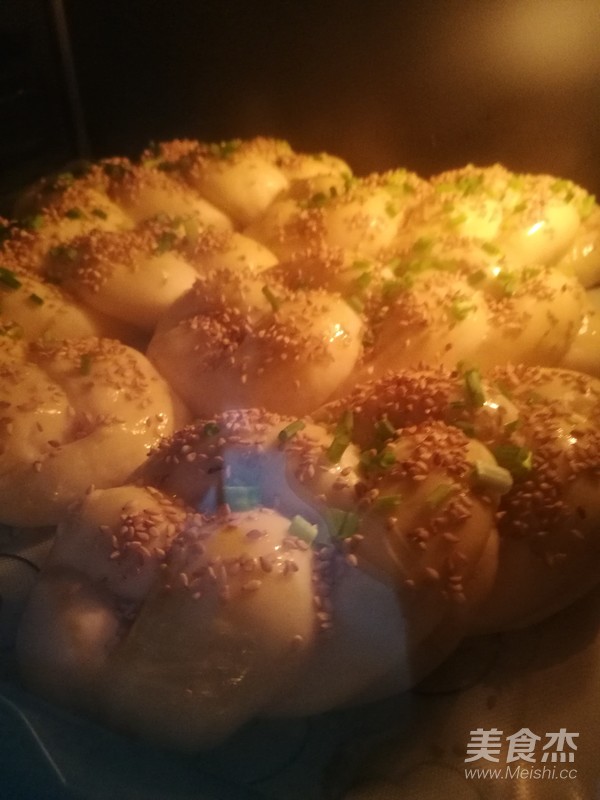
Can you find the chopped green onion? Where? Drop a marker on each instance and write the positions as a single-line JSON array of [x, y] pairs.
[[511, 427], [317, 200], [391, 209], [363, 280], [74, 213], [66, 178], [361, 263], [387, 502], [341, 438], [373, 459], [166, 241], [100, 213], [466, 427], [349, 180], [225, 149], [476, 277], [491, 248], [274, 301], [587, 206], [291, 430], [516, 182], [64, 252], [36, 299], [473, 387], [527, 273], [384, 429], [517, 460], [355, 303], [508, 282], [460, 309], [387, 459], [33, 223], [302, 529], [520, 207], [85, 364], [211, 429], [438, 496], [561, 185], [458, 220], [492, 476], [242, 498], [469, 184], [9, 279], [114, 171], [342, 524], [422, 244]]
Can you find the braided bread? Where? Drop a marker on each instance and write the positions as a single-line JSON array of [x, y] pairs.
[[391, 448]]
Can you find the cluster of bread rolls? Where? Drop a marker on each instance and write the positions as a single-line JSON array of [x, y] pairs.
[[301, 432]]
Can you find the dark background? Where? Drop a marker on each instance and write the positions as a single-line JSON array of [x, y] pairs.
[[424, 84]]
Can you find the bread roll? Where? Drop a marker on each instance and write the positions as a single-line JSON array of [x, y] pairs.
[[76, 413]]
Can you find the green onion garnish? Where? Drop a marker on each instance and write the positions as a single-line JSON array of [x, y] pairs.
[[166, 241], [114, 171], [491, 248], [225, 149], [492, 476], [473, 387], [291, 430], [100, 213], [587, 206], [274, 301], [33, 223], [363, 280], [316, 200], [9, 279], [85, 364], [342, 524], [517, 460], [36, 299], [302, 529], [476, 277], [384, 429], [387, 502], [372, 459], [341, 437], [423, 244], [508, 282], [74, 213], [391, 209], [458, 220], [64, 252], [242, 498], [211, 429], [511, 427], [438, 496], [355, 303], [466, 427], [460, 309]]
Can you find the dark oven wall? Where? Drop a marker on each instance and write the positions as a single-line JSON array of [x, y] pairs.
[[425, 84], [38, 132]]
